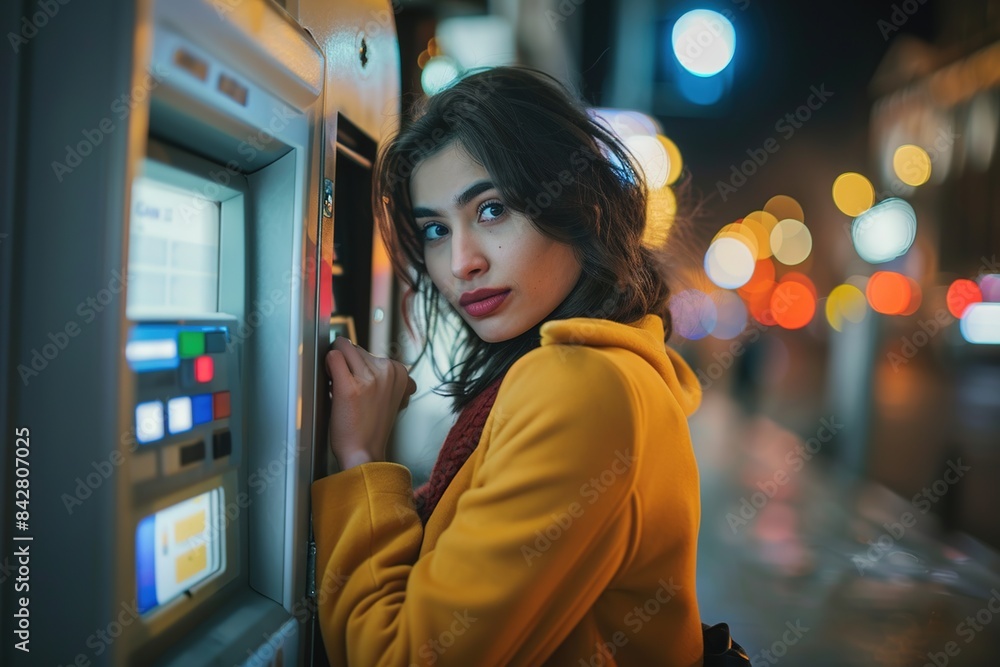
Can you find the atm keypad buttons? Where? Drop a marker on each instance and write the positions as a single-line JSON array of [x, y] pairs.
[[201, 408], [222, 444], [221, 404], [155, 380], [187, 373], [192, 453], [190, 343], [204, 369], [179, 417], [149, 421], [215, 341], [179, 457]]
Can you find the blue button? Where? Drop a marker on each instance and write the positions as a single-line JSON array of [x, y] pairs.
[[201, 406]]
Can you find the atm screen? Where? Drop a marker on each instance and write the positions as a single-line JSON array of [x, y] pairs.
[[173, 266], [179, 547]]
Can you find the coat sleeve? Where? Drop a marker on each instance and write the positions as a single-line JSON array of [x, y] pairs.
[[534, 541]]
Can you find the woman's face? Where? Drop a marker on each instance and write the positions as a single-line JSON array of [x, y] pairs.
[[475, 247]]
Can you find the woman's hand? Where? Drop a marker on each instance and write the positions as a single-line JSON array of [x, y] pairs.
[[367, 394]]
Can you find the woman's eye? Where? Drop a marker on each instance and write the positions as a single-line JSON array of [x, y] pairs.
[[493, 209], [434, 231]]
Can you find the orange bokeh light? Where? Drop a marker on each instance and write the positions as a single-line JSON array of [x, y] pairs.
[[888, 292], [792, 304], [916, 297], [801, 278], [759, 302], [961, 294], [762, 279]]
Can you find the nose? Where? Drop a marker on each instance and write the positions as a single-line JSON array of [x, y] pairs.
[[467, 258]]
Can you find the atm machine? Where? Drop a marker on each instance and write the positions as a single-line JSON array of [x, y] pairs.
[[188, 225]]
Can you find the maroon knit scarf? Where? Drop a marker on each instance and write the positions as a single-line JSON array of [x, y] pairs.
[[457, 448]]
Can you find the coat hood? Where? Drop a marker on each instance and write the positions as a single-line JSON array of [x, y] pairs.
[[644, 337]]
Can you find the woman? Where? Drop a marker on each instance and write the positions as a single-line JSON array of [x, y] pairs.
[[560, 523]]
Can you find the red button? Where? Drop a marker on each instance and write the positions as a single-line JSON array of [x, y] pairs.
[[220, 402], [204, 369]]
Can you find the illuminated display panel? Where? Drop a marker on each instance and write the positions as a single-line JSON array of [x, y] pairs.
[[173, 266], [179, 547]]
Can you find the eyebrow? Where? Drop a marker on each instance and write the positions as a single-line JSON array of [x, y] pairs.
[[461, 199]]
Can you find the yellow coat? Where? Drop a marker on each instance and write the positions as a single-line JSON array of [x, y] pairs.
[[568, 537]]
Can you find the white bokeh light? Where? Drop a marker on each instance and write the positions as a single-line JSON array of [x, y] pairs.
[[704, 42], [729, 263], [885, 231]]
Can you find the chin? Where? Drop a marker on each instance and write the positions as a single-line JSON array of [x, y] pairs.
[[493, 334]]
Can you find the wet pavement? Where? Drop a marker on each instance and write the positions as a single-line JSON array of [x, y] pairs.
[[811, 566]]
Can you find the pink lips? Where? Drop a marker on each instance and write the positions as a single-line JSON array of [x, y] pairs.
[[486, 306]]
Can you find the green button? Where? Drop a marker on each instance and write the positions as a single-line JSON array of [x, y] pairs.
[[191, 343]]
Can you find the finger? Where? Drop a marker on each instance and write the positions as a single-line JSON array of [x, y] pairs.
[[355, 360], [336, 366]]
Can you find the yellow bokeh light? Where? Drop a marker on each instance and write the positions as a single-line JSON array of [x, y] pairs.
[[783, 207], [764, 218], [853, 194], [661, 207], [912, 164], [741, 233], [846, 302], [673, 157], [791, 242], [761, 234]]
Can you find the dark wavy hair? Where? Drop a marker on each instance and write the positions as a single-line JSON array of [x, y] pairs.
[[551, 161]]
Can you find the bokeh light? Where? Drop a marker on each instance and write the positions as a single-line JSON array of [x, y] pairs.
[[853, 193], [802, 279], [650, 158], [704, 42], [791, 242], [729, 263], [674, 161], [661, 207], [989, 285], [885, 231], [783, 207], [792, 305], [693, 313], [916, 297], [743, 234], [732, 315], [888, 292], [761, 280], [961, 294], [438, 73], [981, 324], [912, 164], [759, 303], [845, 303]]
